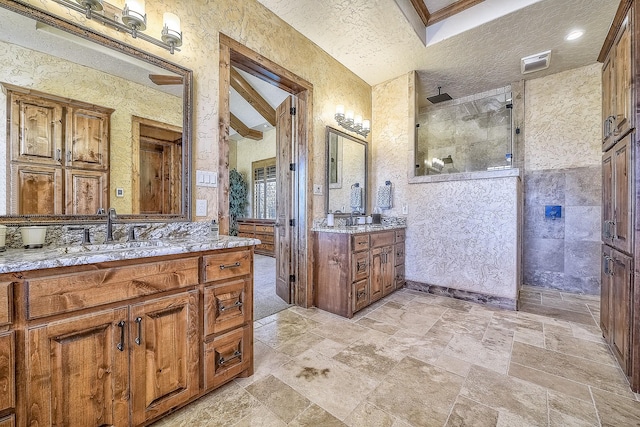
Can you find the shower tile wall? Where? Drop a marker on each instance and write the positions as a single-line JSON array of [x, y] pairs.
[[563, 253], [563, 167]]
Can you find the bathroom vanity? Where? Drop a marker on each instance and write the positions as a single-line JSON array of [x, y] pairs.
[[92, 335], [356, 266]]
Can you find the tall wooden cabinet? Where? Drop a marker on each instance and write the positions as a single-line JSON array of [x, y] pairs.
[[352, 271], [620, 290], [59, 154]]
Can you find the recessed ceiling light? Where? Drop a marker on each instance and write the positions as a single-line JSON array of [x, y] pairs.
[[575, 34]]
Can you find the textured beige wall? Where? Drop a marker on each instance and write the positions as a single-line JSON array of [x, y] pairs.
[[562, 117], [45, 73], [460, 234], [253, 25]]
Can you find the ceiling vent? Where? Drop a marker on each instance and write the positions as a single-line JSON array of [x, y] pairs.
[[537, 62]]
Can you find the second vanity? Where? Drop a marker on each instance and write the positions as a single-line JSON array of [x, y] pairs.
[[356, 266], [124, 336]]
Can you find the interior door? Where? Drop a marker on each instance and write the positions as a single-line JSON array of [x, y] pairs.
[[284, 211]]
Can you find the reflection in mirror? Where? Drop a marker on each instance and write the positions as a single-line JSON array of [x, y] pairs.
[[346, 173], [89, 124]]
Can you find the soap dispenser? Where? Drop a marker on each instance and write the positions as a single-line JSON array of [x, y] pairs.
[[215, 230]]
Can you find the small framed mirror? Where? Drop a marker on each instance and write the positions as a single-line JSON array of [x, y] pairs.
[[346, 173]]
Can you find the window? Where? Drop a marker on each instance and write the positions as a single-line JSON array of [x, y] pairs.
[[264, 188]]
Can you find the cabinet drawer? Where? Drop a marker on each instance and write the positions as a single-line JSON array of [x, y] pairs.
[[227, 265], [227, 306], [382, 239], [265, 238], [264, 229], [360, 242], [400, 236], [6, 313], [7, 371], [226, 356], [399, 254], [75, 291], [9, 421], [359, 266], [247, 235], [265, 247], [360, 295], [247, 228]]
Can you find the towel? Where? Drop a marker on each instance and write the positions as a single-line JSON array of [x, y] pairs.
[[356, 198], [384, 197]]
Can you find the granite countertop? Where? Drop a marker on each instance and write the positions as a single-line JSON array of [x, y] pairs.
[[13, 260], [364, 228]]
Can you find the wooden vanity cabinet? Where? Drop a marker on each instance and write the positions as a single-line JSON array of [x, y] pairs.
[[125, 342], [7, 356], [351, 271]]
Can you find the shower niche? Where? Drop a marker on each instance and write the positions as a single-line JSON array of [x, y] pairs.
[[470, 134]]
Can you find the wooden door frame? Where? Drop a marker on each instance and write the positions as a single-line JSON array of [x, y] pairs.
[[136, 121], [233, 52]]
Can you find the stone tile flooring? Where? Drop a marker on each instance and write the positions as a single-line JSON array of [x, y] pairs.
[[415, 359]]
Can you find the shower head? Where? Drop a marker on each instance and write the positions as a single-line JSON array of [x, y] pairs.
[[440, 97]]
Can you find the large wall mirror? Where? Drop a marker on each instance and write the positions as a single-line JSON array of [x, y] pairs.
[[346, 173], [88, 123]]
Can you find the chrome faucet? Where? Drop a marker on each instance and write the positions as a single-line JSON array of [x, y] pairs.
[[111, 218]]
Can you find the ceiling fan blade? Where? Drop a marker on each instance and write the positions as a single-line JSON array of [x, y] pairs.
[[160, 79]]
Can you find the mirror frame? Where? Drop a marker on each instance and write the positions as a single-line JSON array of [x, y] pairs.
[[329, 131], [187, 114]]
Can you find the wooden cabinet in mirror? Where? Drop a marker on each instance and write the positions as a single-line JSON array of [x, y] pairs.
[[87, 122]]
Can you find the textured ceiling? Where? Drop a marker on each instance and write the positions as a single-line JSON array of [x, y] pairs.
[[374, 40]]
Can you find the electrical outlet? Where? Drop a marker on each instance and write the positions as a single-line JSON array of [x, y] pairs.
[[317, 189], [201, 207], [405, 209]]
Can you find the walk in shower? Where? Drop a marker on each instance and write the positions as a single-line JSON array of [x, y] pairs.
[[465, 135]]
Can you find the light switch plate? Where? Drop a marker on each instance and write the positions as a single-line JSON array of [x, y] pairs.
[[201, 207], [405, 209], [206, 179]]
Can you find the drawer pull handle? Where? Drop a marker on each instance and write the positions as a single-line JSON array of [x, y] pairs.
[[362, 243], [236, 304], [222, 360], [121, 325], [361, 294], [362, 266], [138, 339], [237, 264]]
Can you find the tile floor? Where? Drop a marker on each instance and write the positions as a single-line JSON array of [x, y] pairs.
[[415, 359], [266, 302]]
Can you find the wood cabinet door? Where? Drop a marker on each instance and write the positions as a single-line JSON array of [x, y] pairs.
[[388, 279], [87, 191], [36, 190], [77, 371], [165, 363], [36, 130], [622, 200], [8, 421], [360, 295], [87, 139], [7, 371], [607, 197], [376, 284], [227, 355], [608, 99], [623, 79], [605, 293], [621, 309]]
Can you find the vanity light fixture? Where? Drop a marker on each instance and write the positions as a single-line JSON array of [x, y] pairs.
[[134, 20], [134, 16], [351, 122], [171, 33]]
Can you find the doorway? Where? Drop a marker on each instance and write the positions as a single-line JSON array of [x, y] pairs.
[[291, 227], [157, 187]]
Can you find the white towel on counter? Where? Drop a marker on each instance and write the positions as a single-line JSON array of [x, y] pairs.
[[356, 198], [384, 197]]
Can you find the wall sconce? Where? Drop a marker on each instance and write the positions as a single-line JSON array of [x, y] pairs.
[[352, 123], [134, 20]]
